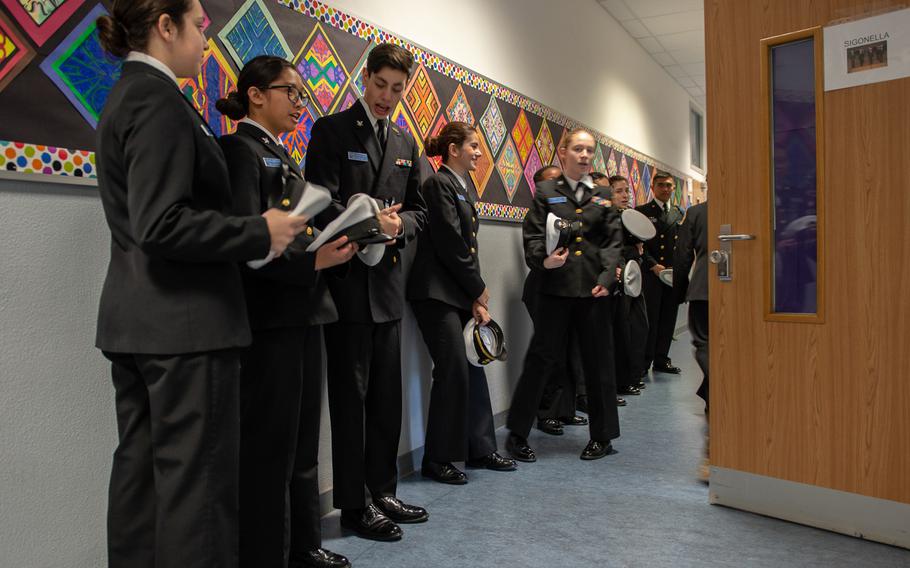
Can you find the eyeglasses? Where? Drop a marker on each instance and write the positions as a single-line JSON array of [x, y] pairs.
[[295, 95]]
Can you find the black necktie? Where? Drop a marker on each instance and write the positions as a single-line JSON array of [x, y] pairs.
[[380, 133]]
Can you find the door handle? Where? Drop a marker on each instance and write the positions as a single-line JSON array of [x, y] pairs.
[[723, 258]]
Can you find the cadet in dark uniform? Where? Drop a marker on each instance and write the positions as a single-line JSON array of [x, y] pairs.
[[288, 301], [172, 318], [693, 248], [360, 151], [630, 321], [574, 294], [446, 290], [662, 306]]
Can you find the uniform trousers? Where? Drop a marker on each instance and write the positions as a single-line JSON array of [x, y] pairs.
[[662, 309], [173, 488], [280, 399], [698, 328], [558, 399], [364, 384], [460, 421], [556, 317]]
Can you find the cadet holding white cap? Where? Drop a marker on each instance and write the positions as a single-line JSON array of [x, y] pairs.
[[578, 272], [446, 291]]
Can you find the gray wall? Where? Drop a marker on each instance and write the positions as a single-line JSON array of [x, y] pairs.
[[57, 427]]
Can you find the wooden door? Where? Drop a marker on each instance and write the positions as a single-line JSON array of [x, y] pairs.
[[823, 401]]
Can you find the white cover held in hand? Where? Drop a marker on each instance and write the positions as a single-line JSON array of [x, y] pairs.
[[360, 208]]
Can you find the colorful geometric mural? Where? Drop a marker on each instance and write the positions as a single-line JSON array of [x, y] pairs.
[[459, 109], [15, 53], [215, 81], [546, 148], [494, 126], [321, 68], [597, 164], [347, 99], [612, 168], [297, 141], [523, 137], [422, 100], [357, 70], [484, 170], [436, 161], [510, 169], [251, 32], [40, 159], [82, 70], [404, 122], [41, 19], [531, 168]]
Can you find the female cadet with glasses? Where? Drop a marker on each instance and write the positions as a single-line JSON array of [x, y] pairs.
[[172, 318], [575, 285], [446, 290], [288, 301]]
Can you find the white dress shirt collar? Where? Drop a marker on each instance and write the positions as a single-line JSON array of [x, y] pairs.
[[140, 57], [464, 184]]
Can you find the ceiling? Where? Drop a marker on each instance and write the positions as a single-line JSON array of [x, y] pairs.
[[673, 32]]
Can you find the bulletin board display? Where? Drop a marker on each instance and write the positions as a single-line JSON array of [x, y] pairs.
[[55, 78]]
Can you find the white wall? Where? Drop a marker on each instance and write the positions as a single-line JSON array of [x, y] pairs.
[[57, 426], [570, 55]]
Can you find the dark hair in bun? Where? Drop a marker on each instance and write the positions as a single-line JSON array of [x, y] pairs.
[[127, 28], [452, 133], [258, 72]]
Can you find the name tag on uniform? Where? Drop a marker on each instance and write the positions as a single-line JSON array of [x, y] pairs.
[[206, 130], [404, 163], [271, 162], [358, 157], [557, 199], [462, 197]]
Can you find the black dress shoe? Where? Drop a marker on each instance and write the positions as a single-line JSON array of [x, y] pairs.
[[596, 450], [370, 523], [629, 390], [400, 512], [581, 403], [573, 420], [320, 558], [494, 462], [620, 401], [519, 449], [444, 473], [640, 385], [550, 426], [667, 367]]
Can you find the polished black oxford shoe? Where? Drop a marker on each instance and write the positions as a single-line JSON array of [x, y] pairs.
[[321, 558], [550, 426], [399, 511], [370, 523], [667, 367], [629, 390], [519, 449], [443, 473], [640, 385], [493, 462], [620, 401], [573, 420], [596, 450]]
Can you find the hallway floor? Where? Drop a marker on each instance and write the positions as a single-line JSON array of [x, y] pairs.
[[639, 507]]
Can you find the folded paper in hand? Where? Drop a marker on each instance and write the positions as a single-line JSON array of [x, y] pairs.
[[315, 198]]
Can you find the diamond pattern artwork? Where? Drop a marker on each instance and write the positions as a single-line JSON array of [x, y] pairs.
[[597, 164], [40, 19], [322, 69], [215, 81], [524, 138], [546, 148], [297, 141], [531, 168], [556, 161], [510, 169], [459, 109], [612, 169], [82, 70], [436, 161], [357, 70], [422, 100], [643, 191], [485, 166], [634, 181], [15, 52], [493, 125], [623, 166], [404, 122], [346, 100], [251, 32]]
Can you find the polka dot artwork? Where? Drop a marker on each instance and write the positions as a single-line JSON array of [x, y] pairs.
[[39, 159]]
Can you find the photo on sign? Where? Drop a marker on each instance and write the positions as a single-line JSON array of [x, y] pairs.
[[865, 57]]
